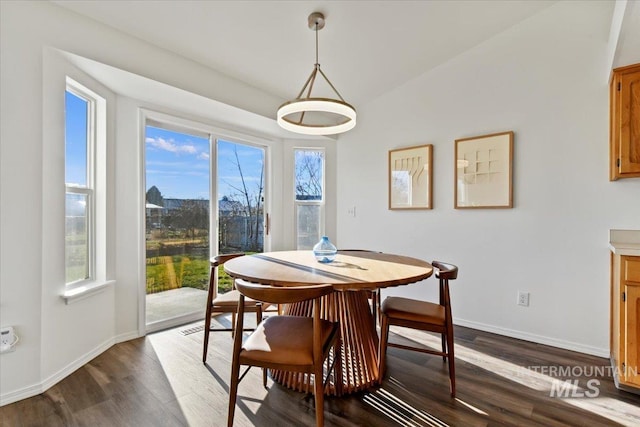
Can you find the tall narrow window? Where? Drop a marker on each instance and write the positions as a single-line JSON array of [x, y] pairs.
[[79, 204], [309, 196]]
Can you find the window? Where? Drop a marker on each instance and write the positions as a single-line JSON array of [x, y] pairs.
[[309, 196], [80, 137]]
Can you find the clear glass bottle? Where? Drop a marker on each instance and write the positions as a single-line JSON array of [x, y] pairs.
[[324, 250]]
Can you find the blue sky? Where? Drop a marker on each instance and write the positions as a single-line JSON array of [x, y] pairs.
[[75, 139], [178, 165], [251, 161]]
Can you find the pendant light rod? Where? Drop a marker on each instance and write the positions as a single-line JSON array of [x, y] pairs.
[[331, 84], [317, 63]]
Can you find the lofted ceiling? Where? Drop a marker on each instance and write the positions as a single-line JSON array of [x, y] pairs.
[[367, 47]]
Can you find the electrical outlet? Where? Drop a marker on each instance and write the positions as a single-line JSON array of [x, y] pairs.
[[352, 211], [8, 339], [523, 299]]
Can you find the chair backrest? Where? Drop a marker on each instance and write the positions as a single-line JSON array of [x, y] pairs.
[[216, 262], [445, 271], [282, 294]]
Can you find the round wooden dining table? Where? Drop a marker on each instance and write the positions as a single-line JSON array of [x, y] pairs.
[[351, 274]]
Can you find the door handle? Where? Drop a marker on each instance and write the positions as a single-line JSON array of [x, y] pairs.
[[267, 225]]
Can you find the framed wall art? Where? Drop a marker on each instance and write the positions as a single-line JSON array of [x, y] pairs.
[[484, 171], [410, 177]]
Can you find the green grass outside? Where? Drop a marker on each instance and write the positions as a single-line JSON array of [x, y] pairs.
[[188, 269], [165, 273], [225, 282], [171, 272]]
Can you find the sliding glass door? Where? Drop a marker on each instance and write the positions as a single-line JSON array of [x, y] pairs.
[[185, 170]]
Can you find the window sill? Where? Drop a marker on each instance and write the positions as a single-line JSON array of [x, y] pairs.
[[85, 291]]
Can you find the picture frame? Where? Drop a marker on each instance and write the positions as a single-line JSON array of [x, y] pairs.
[[484, 172], [411, 178]]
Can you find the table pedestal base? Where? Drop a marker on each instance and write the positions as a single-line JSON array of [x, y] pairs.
[[359, 349]]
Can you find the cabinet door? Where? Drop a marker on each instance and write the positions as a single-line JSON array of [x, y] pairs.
[[629, 122], [631, 278], [632, 336], [624, 123]]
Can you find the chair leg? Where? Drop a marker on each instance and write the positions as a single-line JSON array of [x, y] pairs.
[[235, 363], [233, 323], [207, 329], [207, 319], [384, 338], [444, 347], [451, 357], [319, 395], [233, 390]]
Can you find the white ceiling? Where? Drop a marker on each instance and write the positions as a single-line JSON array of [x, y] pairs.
[[367, 47]]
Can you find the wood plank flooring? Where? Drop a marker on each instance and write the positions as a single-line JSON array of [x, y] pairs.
[[159, 380]]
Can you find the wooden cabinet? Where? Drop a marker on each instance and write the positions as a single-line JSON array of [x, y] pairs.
[[624, 123], [625, 321]]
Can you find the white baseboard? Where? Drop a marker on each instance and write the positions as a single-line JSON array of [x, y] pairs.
[[540, 339], [76, 364], [128, 336], [23, 393], [52, 380]]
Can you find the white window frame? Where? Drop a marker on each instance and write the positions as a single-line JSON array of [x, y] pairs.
[[322, 202], [95, 106]]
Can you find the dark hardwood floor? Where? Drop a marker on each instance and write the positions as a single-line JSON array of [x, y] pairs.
[[160, 380]]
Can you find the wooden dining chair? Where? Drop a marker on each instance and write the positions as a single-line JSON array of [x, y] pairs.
[[225, 303], [422, 315], [287, 343]]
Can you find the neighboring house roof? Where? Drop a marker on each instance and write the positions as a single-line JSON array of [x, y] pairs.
[[225, 206], [176, 203]]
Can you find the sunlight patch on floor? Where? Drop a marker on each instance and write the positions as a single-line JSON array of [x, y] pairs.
[[470, 406], [400, 411], [511, 371], [193, 388], [620, 412]]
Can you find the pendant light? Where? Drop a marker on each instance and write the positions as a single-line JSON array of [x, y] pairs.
[[311, 115]]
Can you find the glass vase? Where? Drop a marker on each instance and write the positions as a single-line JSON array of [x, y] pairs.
[[324, 250]]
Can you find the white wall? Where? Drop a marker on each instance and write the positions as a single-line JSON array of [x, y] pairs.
[[542, 79], [56, 338], [65, 339]]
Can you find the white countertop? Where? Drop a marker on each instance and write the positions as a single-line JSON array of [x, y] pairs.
[[625, 242]]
